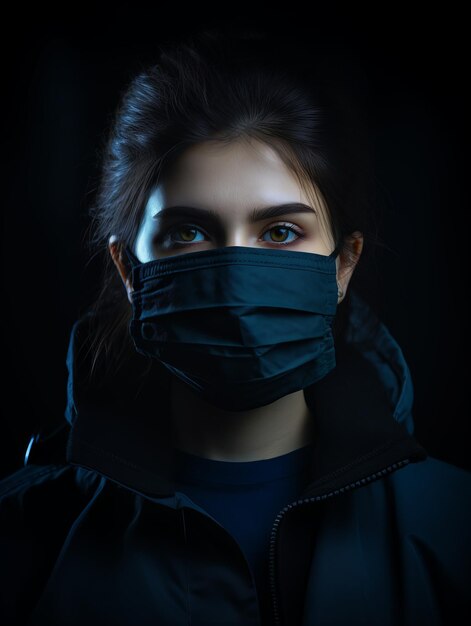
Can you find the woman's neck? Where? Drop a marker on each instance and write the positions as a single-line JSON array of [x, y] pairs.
[[256, 434]]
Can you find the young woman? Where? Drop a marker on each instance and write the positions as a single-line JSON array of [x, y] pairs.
[[241, 448]]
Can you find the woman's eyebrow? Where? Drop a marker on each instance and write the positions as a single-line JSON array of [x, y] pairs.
[[257, 215]]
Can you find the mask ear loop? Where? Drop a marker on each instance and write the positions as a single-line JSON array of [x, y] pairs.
[[336, 251], [333, 255], [132, 258]]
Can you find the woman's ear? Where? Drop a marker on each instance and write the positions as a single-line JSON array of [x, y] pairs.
[[347, 261], [116, 254]]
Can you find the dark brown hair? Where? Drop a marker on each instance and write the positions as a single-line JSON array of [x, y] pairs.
[[224, 85]]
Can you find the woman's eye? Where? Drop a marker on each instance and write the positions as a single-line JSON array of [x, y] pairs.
[[188, 234], [281, 234]]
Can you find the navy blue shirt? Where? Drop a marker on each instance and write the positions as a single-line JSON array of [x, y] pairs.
[[245, 497]]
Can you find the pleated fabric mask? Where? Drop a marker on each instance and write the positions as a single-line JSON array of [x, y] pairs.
[[241, 326]]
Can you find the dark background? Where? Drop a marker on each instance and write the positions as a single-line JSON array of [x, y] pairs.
[[63, 75]]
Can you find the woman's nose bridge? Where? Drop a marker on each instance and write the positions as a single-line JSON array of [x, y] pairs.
[[237, 235], [235, 240]]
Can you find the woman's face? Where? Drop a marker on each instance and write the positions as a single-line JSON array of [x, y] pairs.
[[241, 194], [214, 197]]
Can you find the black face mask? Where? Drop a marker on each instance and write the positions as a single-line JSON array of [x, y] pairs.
[[241, 326]]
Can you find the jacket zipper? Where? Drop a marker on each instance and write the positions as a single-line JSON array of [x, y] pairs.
[[276, 524]]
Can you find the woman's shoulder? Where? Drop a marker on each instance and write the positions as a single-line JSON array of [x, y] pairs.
[[43, 498], [38, 506], [431, 501], [433, 490], [46, 477], [434, 480]]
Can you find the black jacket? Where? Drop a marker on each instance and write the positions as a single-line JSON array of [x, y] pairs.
[[98, 535]]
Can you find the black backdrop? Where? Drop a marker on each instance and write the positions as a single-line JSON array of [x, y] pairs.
[[63, 75]]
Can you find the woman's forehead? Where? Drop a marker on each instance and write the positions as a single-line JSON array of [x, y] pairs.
[[228, 179]]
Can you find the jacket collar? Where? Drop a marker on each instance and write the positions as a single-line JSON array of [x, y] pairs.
[[363, 412]]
